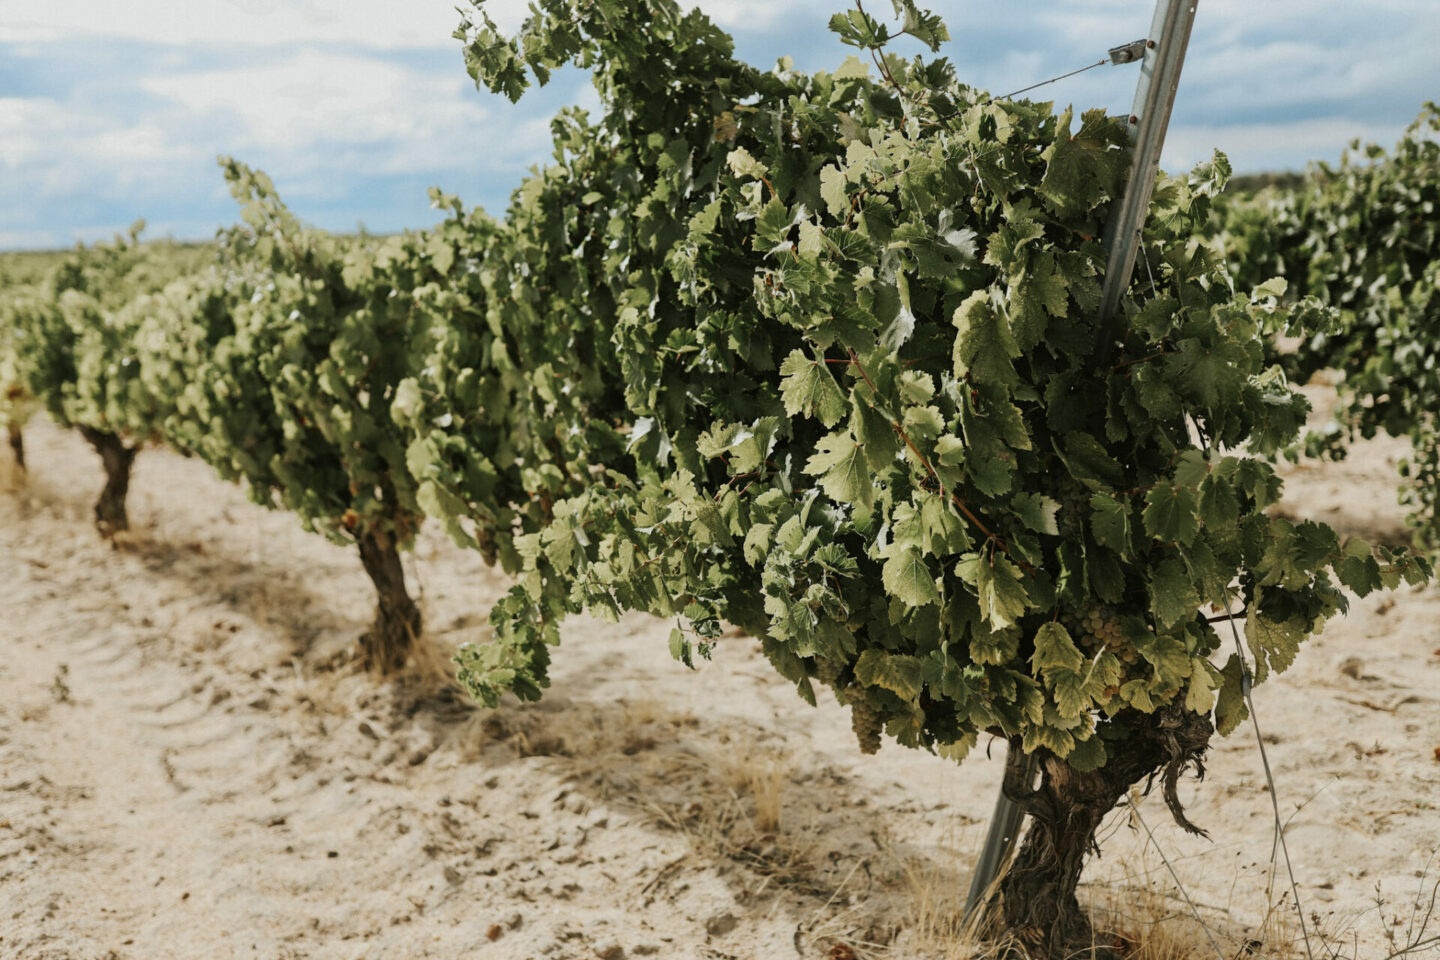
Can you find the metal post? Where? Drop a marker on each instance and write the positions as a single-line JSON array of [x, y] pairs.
[[1000, 840], [1149, 119]]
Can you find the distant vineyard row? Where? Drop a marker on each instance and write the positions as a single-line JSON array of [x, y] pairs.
[[1363, 237]]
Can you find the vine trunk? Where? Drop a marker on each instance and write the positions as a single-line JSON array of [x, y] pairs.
[[1036, 898], [17, 445], [110, 515], [386, 645]]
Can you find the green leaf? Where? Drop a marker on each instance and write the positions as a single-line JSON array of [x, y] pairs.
[[1087, 755], [984, 347], [832, 191], [1170, 513], [1358, 569], [1039, 295], [1279, 639], [812, 240], [1168, 657], [916, 387], [874, 432], [1274, 288], [1218, 506], [1003, 598], [901, 675], [1088, 459], [908, 578], [923, 25], [844, 474], [1230, 709], [1173, 598], [856, 29], [743, 164], [1083, 170], [757, 543], [1110, 523], [944, 530], [1054, 650], [1200, 691], [950, 450], [808, 388], [680, 647], [923, 422], [1137, 694]]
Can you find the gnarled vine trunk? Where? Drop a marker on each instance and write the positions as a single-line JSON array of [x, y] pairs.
[[17, 445], [110, 515], [1035, 901], [386, 645]]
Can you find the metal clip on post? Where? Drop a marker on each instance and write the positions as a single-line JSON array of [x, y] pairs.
[[1129, 52]]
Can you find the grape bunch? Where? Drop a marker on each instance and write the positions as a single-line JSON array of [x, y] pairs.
[[1074, 499], [865, 719], [1097, 626], [828, 670]]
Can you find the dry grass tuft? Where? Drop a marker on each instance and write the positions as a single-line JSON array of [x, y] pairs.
[[1146, 916], [934, 923], [756, 776], [432, 662], [1140, 923], [729, 801]]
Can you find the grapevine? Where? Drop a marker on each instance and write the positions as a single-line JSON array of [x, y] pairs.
[[854, 326], [67, 349]]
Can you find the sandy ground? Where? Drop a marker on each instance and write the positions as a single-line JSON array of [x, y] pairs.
[[191, 766]]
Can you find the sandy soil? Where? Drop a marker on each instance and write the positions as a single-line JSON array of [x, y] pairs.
[[192, 766]]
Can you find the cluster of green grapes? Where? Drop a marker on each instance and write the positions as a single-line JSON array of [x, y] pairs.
[[1097, 626], [828, 670], [865, 719], [1074, 502]]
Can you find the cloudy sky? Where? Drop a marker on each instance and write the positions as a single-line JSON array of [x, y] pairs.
[[110, 111]]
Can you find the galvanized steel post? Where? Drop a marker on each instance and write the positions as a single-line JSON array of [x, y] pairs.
[[1149, 119]]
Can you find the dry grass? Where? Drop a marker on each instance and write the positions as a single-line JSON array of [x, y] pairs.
[[727, 791], [934, 921], [1150, 920], [1143, 923], [729, 801], [432, 661], [316, 689], [1144, 918], [757, 778]]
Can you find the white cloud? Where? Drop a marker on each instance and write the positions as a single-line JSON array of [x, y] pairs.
[[385, 24], [61, 149], [320, 97], [28, 239], [379, 24], [320, 120], [756, 14]]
